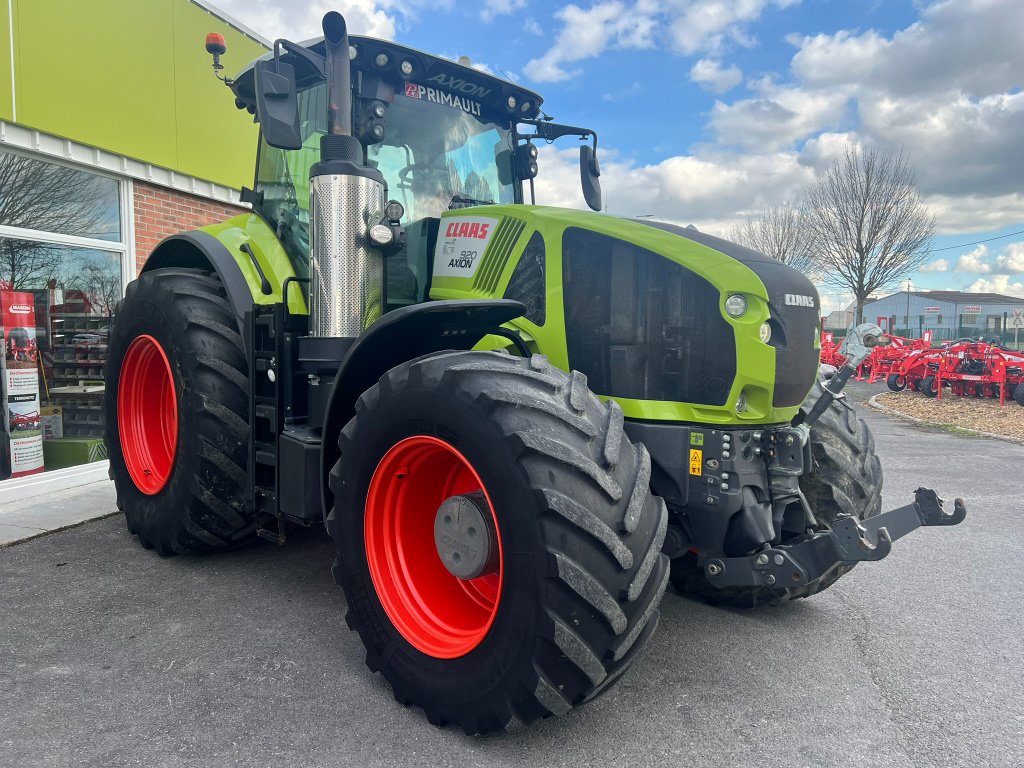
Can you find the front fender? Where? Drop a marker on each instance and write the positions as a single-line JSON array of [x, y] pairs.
[[395, 338], [218, 247]]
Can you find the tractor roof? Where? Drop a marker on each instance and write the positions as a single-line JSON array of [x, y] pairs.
[[428, 71]]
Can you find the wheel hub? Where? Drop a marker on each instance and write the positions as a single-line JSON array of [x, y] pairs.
[[464, 536]]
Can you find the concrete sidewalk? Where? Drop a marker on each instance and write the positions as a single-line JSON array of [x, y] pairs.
[[38, 504]]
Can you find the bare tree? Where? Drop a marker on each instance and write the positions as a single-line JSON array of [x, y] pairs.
[[778, 232], [50, 198], [100, 281], [868, 224]]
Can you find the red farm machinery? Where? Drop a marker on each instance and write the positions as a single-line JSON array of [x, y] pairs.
[[969, 368]]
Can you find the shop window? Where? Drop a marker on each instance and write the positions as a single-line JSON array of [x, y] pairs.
[[63, 252], [58, 199]]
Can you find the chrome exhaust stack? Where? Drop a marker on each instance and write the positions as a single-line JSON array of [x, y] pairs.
[[345, 198]]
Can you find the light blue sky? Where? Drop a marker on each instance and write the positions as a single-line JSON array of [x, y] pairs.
[[710, 110]]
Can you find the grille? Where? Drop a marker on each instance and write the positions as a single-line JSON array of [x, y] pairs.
[[641, 326], [498, 252]]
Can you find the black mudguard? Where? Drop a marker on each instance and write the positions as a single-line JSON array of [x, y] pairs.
[[395, 338], [200, 250]]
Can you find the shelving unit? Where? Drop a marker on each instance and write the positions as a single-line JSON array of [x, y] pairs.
[[76, 382]]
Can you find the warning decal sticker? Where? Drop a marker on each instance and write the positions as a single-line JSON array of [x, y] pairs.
[[696, 461]]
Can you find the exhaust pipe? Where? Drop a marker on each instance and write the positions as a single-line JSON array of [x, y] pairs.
[[339, 75], [345, 198]]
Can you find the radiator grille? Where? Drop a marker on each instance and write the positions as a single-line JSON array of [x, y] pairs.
[[498, 252], [641, 326]]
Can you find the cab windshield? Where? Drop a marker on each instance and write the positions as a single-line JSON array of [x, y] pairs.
[[434, 157]]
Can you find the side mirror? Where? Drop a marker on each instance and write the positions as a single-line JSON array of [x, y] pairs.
[[590, 172], [503, 157], [277, 105]]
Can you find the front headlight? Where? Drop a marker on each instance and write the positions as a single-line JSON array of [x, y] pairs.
[[765, 332], [735, 305]]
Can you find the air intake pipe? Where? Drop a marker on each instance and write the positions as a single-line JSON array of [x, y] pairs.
[[345, 198]]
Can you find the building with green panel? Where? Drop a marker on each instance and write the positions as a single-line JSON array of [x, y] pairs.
[[114, 133]]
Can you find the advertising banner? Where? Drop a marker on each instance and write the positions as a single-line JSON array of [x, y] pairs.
[[21, 383]]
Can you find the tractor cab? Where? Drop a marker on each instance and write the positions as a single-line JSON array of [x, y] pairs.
[[443, 135]]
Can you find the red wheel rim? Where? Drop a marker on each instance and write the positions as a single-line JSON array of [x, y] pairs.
[[438, 613], [147, 415]]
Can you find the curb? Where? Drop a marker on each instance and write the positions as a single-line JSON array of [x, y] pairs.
[[874, 404]]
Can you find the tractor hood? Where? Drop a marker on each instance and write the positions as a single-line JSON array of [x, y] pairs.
[[794, 304], [643, 309]]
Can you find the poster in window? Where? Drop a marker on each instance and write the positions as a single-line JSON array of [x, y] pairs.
[[21, 383]]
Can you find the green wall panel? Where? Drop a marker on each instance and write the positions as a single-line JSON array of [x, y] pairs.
[[133, 78], [215, 140], [6, 108]]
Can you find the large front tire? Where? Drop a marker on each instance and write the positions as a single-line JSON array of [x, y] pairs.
[[572, 591], [845, 480], [176, 411]]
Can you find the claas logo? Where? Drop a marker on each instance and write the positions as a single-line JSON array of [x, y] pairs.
[[465, 229]]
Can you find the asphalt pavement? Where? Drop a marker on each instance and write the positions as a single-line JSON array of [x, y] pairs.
[[113, 656]]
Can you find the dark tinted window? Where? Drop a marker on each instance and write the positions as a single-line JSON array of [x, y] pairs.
[[641, 326], [527, 283]]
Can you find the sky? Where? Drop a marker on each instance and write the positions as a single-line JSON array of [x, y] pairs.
[[709, 111]]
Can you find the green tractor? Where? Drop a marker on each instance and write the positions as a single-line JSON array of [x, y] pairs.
[[517, 423]]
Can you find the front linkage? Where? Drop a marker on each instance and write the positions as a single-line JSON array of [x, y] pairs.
[[847, 542], [809, 561]]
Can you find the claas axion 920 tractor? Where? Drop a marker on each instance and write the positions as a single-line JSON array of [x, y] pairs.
[[517, 423]]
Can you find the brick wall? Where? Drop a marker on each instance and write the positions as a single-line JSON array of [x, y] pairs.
[[160, 212]]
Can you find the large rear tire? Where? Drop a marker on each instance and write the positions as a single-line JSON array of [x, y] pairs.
[[845, 480], [176, 411], [571, 594]]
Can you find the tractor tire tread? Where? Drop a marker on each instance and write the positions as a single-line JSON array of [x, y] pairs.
[[209, 511], [606, 576]]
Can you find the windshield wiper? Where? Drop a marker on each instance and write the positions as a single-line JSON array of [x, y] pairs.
[[461, 201]]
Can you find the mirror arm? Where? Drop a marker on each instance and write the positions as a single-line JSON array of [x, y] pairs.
[[552, 131], [318, 63]]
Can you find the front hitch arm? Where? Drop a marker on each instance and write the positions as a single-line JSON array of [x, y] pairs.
[[857, 348], [847, 542]]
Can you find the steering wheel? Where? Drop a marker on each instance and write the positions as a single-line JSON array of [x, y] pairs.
[[403, 175]]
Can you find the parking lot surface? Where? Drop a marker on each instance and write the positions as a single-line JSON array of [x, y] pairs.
[[113, 656]]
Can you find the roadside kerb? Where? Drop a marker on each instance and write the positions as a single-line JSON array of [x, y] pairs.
[[873, 403]]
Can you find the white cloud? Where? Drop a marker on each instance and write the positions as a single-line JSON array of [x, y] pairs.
[[301, 21], [492, 8], [939, 265], [945, 90], [708, 25], [778, 116], [1011, 261], [968, 45], [713, 191], [998, 284], [974, 262], [712, 76], [975, 211], [531, 26], [692, 26], [587, 33]]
